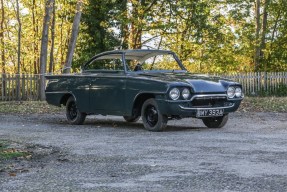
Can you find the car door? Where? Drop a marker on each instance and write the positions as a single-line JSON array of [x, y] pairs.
[[107, 89], [107, 93], [79, 85]]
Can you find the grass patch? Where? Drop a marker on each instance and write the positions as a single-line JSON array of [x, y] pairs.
[[264, 104], [28, 107], [8, 152]]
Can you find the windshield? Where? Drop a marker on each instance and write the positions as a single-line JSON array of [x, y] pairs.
[[164, 61]]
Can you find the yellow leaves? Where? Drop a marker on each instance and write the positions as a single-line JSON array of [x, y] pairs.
[[10, 150], [104, 24]]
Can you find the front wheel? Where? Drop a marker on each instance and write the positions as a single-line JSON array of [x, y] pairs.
[[152, 118], [74, 116], [215, 122]]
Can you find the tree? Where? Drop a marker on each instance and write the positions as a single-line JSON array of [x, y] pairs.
[[51, 64], [2, 46], [44, 47], [19, 36], [138, 15], [275, 53], [257, 35], [19, 48], [209, 36], [74, 35], [95, 34], [2, 41]]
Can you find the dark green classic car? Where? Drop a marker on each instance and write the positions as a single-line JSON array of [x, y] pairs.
[[151, 84]]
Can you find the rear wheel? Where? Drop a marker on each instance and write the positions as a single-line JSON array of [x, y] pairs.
[[152, 118], [74, 116], [215, 122]]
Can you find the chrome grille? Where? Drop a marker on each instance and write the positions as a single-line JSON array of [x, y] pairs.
[[209, 101]]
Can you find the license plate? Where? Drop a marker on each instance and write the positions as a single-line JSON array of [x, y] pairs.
[[209, 112]]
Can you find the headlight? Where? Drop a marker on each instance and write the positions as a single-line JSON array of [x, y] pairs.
[[174, 94], [238, 92], [231, 92], [185, 93]]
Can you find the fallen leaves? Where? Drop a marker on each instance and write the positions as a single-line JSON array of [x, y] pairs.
[[10, 156], [28, 107], [10, 153], [264, 104], [12, 174], [16, 158]]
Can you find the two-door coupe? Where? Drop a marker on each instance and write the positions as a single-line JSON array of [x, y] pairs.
[[151, 84]]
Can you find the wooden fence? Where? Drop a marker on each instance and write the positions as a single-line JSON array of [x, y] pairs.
[[261, 83], [253, 84], [28, 88]]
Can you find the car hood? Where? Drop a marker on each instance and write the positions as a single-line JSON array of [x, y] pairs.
[[199, 83]]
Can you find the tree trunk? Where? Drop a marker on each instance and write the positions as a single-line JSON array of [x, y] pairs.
[[2, 44], [61, 40], [135, 32], [51, 65], [19, 50], [73, 40], [35, 41], [264, 28], [124, 28], [257, 36], [274, 29], [2, 41], [44, 47]]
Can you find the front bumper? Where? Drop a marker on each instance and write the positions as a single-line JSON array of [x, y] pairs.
[[188, 108]]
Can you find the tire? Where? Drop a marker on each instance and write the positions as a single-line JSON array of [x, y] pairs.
[[74, 116], [215, 122], [152, 118], [131, 119]]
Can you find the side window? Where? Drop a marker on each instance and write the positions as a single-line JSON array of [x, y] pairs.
[[131, 64], [115, 64]]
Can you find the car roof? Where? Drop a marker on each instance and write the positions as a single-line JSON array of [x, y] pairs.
[[139, 54]]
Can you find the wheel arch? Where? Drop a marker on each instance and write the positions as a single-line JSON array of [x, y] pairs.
[[65, 98], [139, 100]]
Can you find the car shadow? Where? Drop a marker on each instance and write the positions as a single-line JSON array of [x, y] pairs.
[[117, 123]]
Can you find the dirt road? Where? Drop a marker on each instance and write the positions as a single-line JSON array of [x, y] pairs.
[[108, 154]]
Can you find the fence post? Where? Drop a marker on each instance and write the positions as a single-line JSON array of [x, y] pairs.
[[265, 81], [18, 87], [23, 87], [8, 87], [37, 86]]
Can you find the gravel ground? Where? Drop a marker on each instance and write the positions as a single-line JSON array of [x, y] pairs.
[[108, 154]]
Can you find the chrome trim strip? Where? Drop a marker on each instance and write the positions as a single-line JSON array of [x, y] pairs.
[[202, 97], [209, 96], [196, 108], [58, 92]]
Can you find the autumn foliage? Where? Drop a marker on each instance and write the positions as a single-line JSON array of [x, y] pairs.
[[208, 36]]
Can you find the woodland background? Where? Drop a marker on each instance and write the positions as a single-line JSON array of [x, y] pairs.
[[214, 36]]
